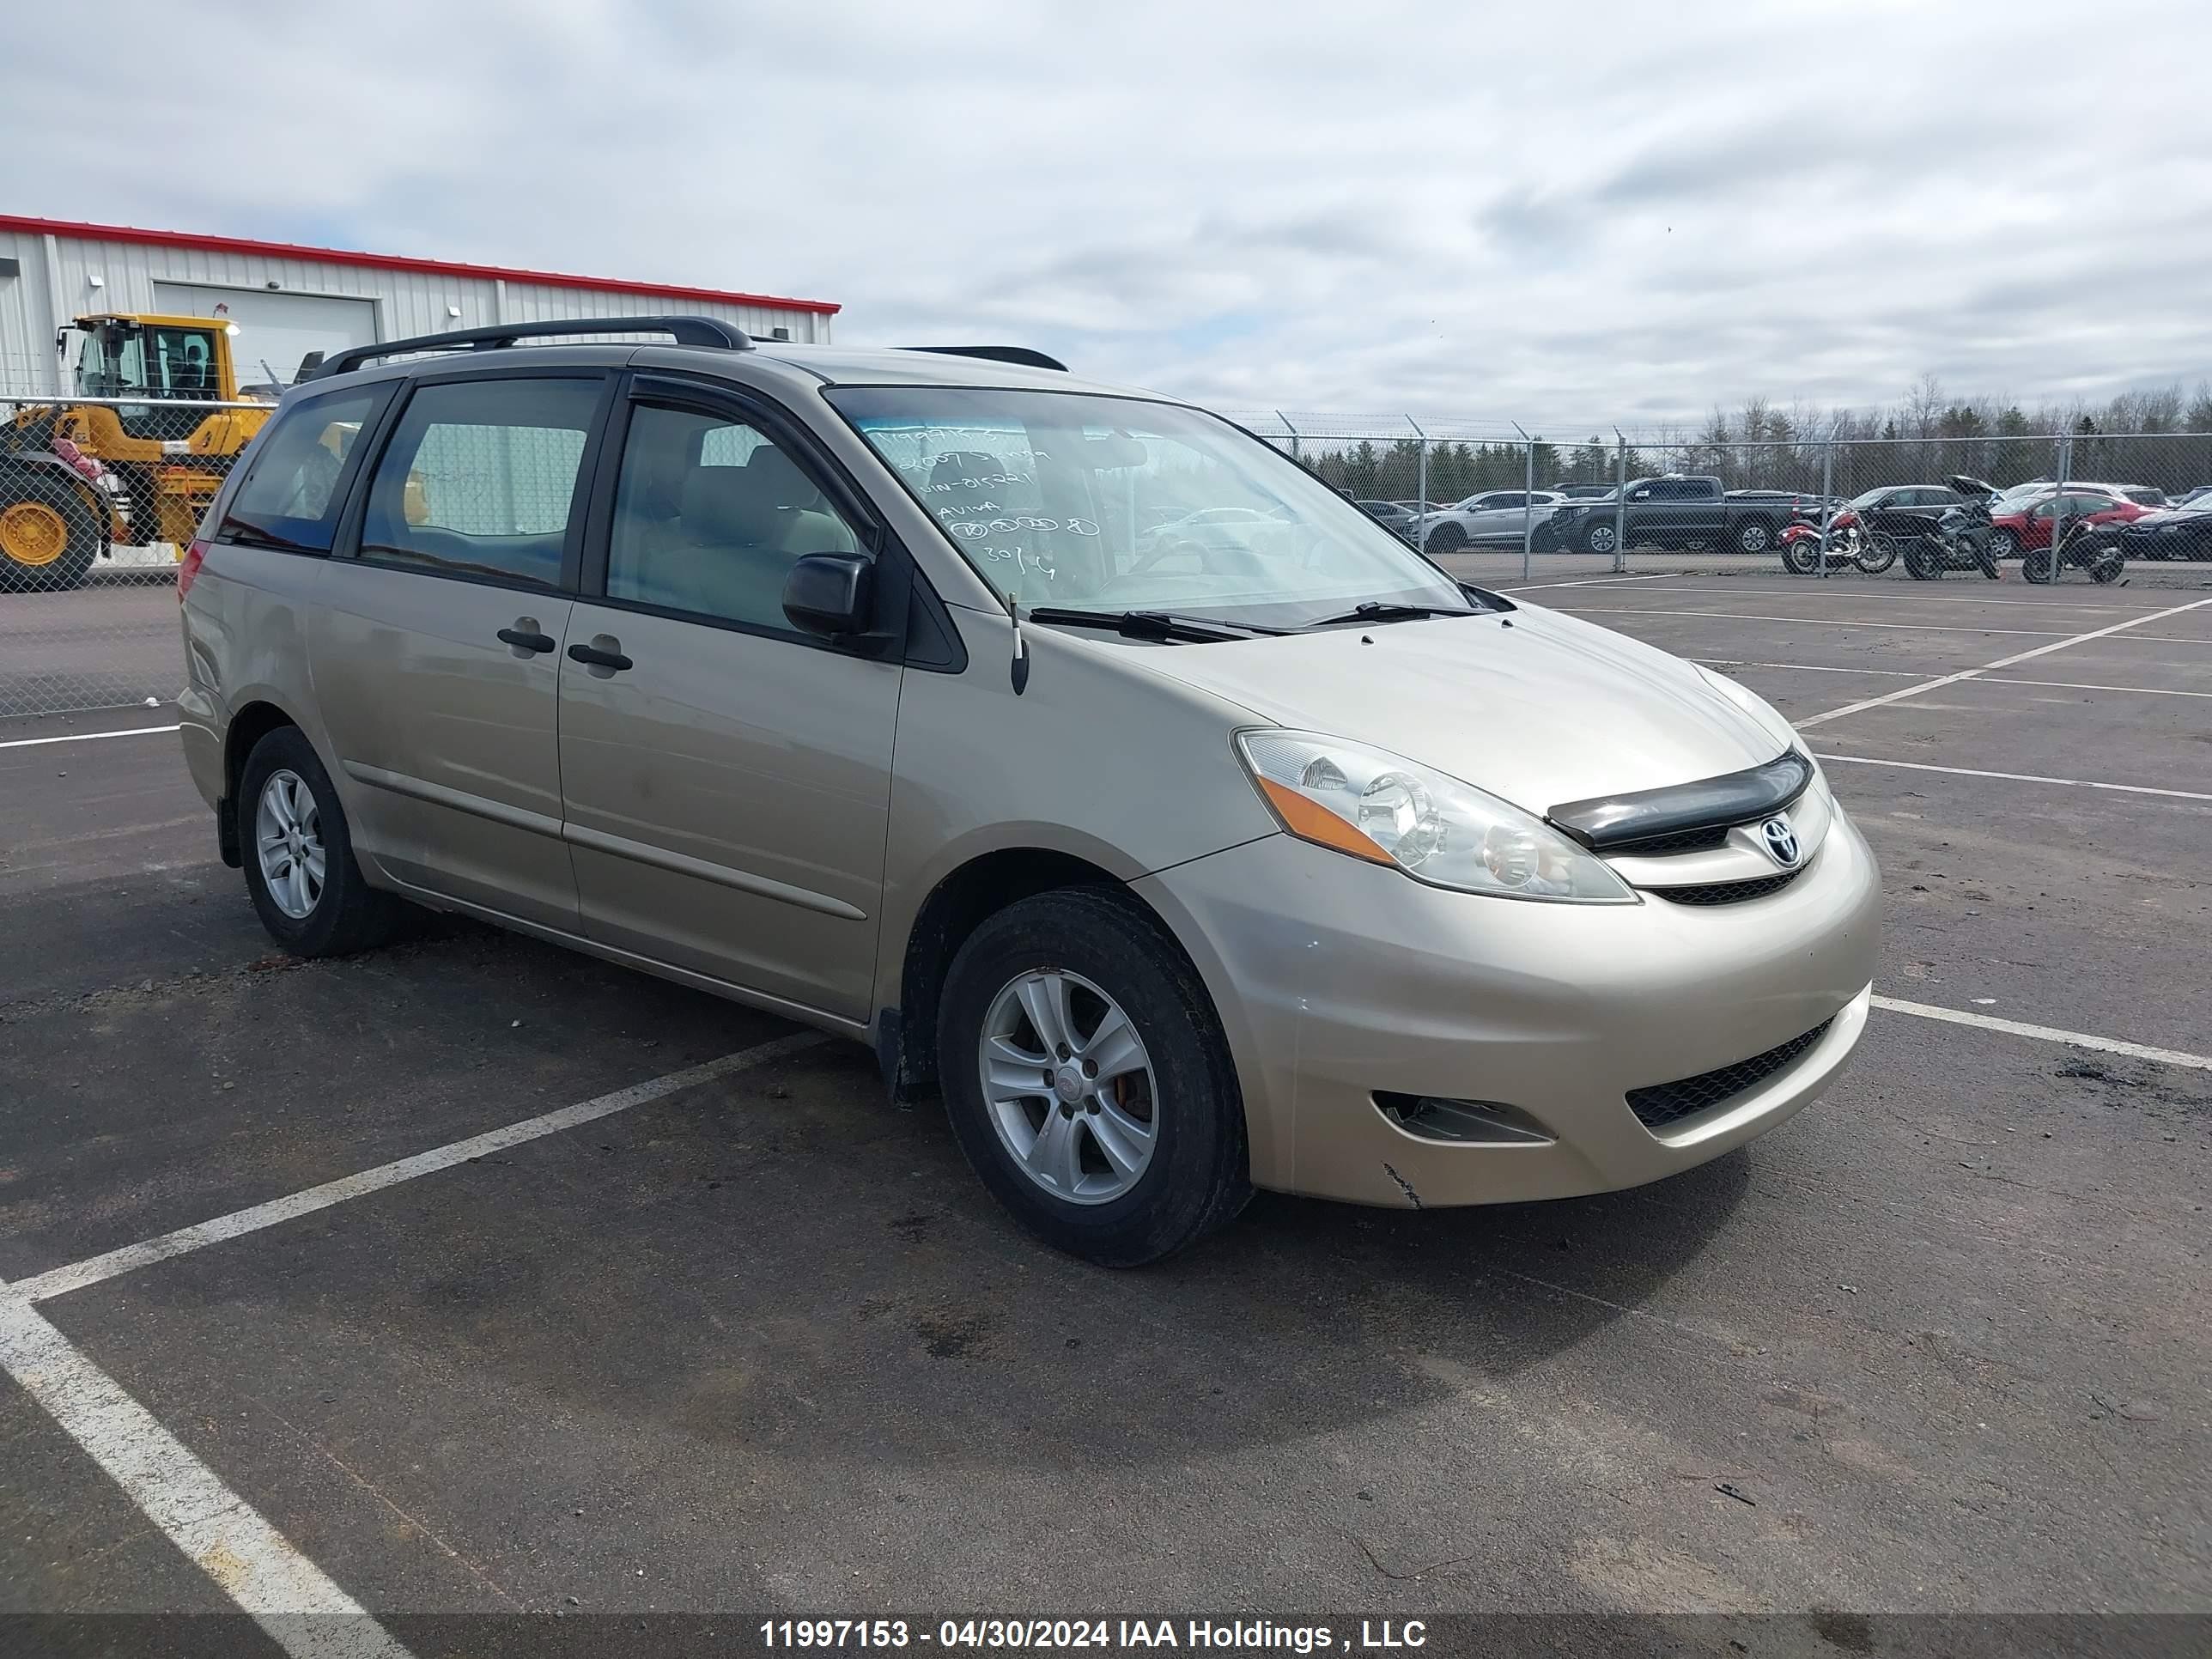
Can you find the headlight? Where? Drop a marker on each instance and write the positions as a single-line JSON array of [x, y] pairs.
[[1388, 810]]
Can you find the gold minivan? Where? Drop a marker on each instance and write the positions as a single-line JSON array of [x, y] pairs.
[[1111, 776]]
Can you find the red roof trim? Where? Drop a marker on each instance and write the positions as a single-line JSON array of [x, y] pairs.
[[336, 255]]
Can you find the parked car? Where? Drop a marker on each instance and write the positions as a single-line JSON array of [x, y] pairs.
[[1314, 871], [1495, 517], [1928, 502], [1674, 511], [2025, 525], [2172, 533], [1391, 515], [1585, 492]]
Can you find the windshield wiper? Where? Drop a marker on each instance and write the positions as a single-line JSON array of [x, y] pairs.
[[1374, 611], [1150, 625]]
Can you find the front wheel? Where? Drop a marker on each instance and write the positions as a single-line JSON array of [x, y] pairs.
[[1599, 537], [1088, 1081], [1447, 538], [2105, 565], [49, 536], [2002, 545], [298, 849], [1874, 554], [1923, 565]]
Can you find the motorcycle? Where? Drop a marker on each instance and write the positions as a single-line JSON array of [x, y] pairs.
[[2091, 547], [1847, 544], [1958, 540]]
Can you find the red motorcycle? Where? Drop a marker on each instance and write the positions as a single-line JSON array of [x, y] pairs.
[[1849, 543]]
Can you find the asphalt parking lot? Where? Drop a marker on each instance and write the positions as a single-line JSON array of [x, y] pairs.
[[744, 1341]]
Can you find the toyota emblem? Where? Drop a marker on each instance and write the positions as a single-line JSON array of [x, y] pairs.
[[1781, 842]]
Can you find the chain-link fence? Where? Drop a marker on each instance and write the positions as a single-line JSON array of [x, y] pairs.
[[99, 493], [1496, 502]]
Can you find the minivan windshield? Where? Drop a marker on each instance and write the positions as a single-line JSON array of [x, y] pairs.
[[1065, 500]]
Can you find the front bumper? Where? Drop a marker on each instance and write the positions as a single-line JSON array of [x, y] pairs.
[[1336, 979]]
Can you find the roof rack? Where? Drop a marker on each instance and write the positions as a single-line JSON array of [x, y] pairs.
[[1025, 355], [686, 330]]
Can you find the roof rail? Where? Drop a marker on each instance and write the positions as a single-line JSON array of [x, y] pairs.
[[1025, 355], [687, 331]]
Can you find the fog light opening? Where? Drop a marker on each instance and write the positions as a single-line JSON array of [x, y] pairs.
[[1462, 1122]]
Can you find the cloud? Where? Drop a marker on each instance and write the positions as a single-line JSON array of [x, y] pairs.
[[1455, 211]]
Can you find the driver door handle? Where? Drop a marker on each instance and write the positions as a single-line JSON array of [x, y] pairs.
[[604, 656]]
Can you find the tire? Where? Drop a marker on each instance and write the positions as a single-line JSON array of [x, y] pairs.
[[48, 535], [1099, 947], [1598, 537], [1920, 566], [343, 914], [2002, 545], [1754, 537], [2039, 565], [1802, 556], [2105, 565], [1446, 539], [1875, 554]]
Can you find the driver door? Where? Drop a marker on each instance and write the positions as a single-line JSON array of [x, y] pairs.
[[726, 777]]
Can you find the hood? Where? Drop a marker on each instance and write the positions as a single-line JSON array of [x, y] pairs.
[[1545, 710]]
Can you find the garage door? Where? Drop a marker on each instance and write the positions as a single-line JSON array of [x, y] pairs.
[[275, 331]]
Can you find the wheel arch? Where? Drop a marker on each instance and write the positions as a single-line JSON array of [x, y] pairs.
[[249, 723], [962, 899]]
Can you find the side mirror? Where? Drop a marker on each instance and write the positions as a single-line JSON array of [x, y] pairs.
[[831, 595]]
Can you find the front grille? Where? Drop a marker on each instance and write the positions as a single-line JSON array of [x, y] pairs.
[[1667, 1102], [1682, 841], [1729, 892]]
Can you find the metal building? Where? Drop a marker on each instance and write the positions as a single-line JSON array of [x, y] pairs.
[[287, 300]]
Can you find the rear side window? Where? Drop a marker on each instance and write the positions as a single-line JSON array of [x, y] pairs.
[[296, 475], [481, 479]]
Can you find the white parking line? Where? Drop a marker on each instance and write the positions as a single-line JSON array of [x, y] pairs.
[[2015, 777], [1591, 581], [2046, 1033], [1816, 622], [1913, 595], [1986, 679], [57, 1281], [303, 1611], [85, 736], [288, 1596], [2002, 662]]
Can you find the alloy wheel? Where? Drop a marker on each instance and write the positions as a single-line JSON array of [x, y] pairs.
[[1068, 1086], [287, 838]]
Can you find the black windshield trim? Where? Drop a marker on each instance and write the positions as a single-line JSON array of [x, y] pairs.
[[1613, 824]]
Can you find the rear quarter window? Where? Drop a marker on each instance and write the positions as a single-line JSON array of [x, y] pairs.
[[299, 469]]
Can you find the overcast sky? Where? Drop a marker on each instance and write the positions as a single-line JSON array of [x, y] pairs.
[[1567, 213]]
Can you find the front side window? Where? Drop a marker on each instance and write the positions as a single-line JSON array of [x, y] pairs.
[[291, 495], [710, 515], [1108, 503], [480, 479]]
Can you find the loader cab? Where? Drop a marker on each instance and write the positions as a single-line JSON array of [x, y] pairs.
[[159, 359]]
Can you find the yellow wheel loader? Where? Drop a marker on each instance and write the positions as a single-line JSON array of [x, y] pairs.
[[136, 469]]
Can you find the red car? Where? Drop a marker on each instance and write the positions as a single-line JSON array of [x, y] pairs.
[[2029, 524]]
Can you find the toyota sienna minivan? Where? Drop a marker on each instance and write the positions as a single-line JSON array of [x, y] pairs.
[[1112, 777]]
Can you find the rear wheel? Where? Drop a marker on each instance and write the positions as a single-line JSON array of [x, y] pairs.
[[299, 867], [1921, 564], [1801, 554], [49, 536], [2039, 564], [1754, 536], [1087, 1080]]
